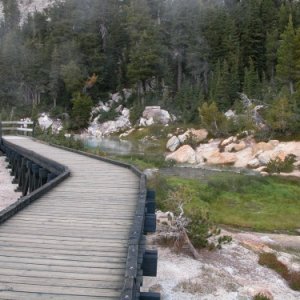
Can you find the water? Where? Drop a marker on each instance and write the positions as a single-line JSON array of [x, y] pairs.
[[116, 146]]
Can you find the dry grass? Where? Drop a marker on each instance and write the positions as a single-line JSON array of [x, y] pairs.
[[270, 260]]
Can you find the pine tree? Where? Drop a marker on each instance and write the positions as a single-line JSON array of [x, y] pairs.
[[286, 57], [251, 86]]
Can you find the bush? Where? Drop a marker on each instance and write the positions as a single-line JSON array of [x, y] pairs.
[[198, 227], [261, 297], [107, 115], [277, 165], [81, 111]]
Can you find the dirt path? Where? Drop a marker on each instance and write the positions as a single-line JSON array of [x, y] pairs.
[[232, 273], [7, 193]]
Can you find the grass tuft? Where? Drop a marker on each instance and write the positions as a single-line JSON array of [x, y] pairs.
[[270, 260]]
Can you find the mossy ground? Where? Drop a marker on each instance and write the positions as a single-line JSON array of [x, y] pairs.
[[261, 204]]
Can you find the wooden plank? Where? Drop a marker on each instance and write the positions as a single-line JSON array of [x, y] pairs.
[[13, 295], [66, 263], [61, 275], [61, 283]]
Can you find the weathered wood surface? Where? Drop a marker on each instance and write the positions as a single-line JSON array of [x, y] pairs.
[[73, 242]]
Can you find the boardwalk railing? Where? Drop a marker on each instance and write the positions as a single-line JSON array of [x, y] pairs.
[[140, 262], [34, 174], [24, 127]]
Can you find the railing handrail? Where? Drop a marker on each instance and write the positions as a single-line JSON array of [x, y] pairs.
[[24, 129], [17, 122]]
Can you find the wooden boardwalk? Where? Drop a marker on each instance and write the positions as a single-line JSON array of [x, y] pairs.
[[72, 243]]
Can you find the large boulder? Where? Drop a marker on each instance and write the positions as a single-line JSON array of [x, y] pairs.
[[243, 157], [198, 135], [173, 143], [204, 151], [109, 127], [159, 116], [224, 158], [265, 157], [261, 147], [185, 154]]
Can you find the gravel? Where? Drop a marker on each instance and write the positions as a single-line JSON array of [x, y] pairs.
[[7, 189]]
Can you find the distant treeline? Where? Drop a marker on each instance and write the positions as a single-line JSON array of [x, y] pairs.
[[180, 54]]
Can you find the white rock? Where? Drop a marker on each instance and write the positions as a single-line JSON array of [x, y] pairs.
[[173, 143], [254, 163], [228, 141], [230, 114], [235, 147], [159, 115], [116, 97], [45, 121], [185, 154], [126, 113], [224, 158], [243, 158], [183, 137]]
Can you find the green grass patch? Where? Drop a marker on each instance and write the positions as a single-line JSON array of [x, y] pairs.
[[262, 204]]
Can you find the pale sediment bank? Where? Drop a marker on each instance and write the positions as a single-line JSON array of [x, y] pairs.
[[7, 189]]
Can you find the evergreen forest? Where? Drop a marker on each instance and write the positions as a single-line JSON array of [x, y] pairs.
[[187, 56]]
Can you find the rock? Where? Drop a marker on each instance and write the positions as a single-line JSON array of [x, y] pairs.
[[128, 132], [228, 141], [235, 147], [230, 114], [45, 121], [158, 115], [262, 146], [146, 122], [204, 151], [126, 113], [185, 154], [150, 172], [218, 158], [119, 109], [274, 143], [116, 97], [109, 127], [183, 137], [199, 135], [243, 158], [260, 169], [266, 156], [253, 164], [173, 143], [164, 218]]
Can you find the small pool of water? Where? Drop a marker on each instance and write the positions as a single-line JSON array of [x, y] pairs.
[[116, 146]]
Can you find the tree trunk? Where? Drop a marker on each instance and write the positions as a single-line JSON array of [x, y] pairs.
[[179, 72], [291, 84]]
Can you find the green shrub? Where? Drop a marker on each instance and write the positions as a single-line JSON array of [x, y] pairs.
[[261, 297], [107, 115], [277, 165], [81, 110]]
